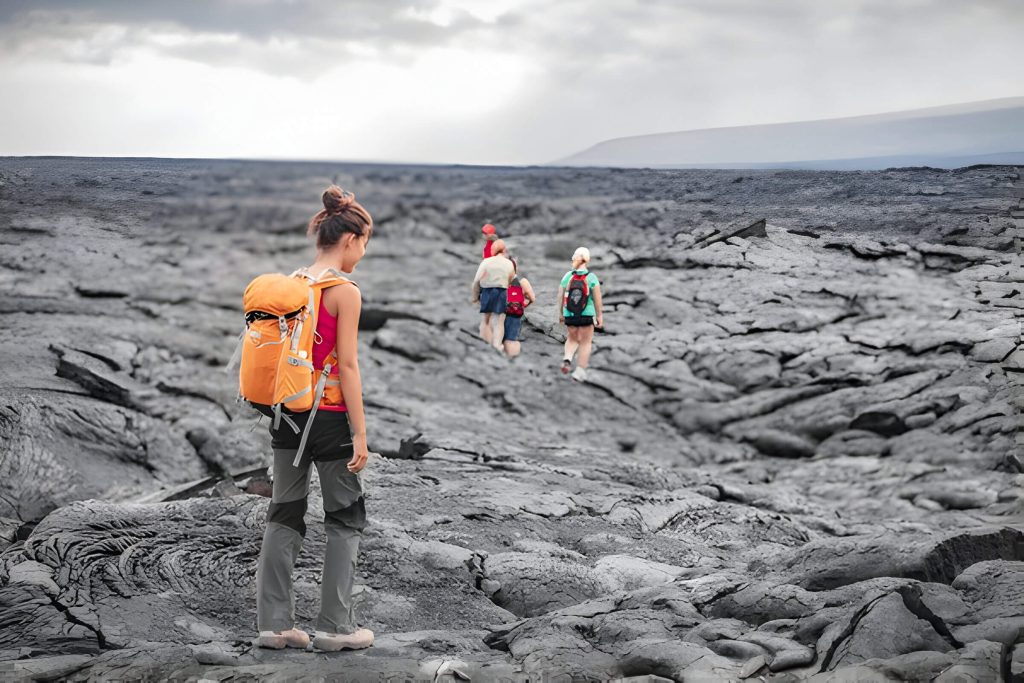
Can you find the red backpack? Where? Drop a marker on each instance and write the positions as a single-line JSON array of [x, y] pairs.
[[516, 299]]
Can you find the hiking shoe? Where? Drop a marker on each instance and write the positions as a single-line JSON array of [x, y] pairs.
[[566, 364], [579, 374], [332, 642], [278, 640]]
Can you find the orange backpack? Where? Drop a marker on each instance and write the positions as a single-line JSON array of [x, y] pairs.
[[276, 362]]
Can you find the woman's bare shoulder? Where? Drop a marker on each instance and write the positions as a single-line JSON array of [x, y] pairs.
[[343, 296]]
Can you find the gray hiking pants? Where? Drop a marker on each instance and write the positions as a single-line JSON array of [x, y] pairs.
[[330, 449]]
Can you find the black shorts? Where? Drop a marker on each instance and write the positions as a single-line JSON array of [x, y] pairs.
[[579, 321], [330, 437]]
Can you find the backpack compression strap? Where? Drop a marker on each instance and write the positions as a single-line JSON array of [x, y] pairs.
[[321, 283], [317, 395]]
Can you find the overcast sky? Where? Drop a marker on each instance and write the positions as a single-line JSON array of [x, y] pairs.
[[473, 81]]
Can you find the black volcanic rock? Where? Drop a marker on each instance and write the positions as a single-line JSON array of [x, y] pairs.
[[788, 441]]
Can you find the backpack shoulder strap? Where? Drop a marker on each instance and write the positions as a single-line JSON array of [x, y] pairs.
[[321, 285], [302, 273], [331, 273], [328, 278]]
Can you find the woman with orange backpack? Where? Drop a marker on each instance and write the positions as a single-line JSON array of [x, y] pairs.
[[299, 366], [579, 309]]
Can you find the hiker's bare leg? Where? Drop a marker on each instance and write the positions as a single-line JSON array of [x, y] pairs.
[[586, 338], [485, 327], [512, 349], [572, 342], [498, 330]]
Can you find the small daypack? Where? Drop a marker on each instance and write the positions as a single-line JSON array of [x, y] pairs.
[[577, 294], [276, 358], [516, 305]]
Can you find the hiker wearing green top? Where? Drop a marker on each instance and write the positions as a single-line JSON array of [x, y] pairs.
[[579, 296]]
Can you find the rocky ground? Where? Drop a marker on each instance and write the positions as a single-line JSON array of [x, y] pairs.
[[797, 457]]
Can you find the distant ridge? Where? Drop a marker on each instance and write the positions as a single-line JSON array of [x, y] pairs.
[[988, 132]]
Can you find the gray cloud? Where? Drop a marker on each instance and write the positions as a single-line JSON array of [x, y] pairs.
[[570, 37], [305, 35], [636, 68], [257, 19], [593, 69]]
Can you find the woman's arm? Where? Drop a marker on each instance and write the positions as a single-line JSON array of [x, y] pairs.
[[599, 317], [527, 291], [476, 282], [561, 297], [350, 303]]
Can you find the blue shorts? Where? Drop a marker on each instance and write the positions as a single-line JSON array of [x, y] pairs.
[[513, 327], [493, 299]]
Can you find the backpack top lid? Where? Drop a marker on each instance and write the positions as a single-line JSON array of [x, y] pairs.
[[276, 294]]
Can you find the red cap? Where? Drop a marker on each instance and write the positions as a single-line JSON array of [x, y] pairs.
[[488, 229]]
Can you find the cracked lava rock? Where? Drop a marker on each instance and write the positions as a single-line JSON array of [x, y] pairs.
[[796, 456]]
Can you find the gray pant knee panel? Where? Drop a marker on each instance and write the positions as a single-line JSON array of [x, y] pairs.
[[289, 514], [352, 516]]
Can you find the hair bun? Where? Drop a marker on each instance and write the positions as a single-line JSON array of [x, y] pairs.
[[336, 199]]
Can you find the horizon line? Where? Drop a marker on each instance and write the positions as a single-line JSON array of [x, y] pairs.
[[789, 165]]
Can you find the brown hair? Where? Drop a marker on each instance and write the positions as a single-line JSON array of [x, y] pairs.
[[341, 214]]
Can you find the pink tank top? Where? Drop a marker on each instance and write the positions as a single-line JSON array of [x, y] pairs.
[[323, 344]]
